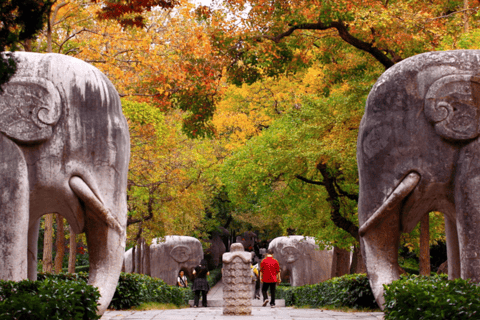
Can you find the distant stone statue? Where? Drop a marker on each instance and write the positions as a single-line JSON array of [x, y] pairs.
[[302, 261], [418, 151], [247, 239], [216, 250], [237, 278], [64, 148], [166, 257]]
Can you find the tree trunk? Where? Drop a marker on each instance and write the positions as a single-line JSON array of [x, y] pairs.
[[72, 255], [147, 269], [59, 244], [425, 246], [358, 265], [134, 253], [48, 243], [139, 256]]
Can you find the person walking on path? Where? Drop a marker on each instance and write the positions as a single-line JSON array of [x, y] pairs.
[[200, 284], [256, 272], [269, 276], [182, 280]]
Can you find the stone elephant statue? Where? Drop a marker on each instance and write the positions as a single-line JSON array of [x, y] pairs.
[[418, 151], [165, 258], [302, 261], [64, 148]]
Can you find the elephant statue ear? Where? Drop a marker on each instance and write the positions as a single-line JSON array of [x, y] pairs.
[[29, 108], [180, 253], [452, 105], [291, 253]]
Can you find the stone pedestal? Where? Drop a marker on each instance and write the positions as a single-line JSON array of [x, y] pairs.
[[237, 281]]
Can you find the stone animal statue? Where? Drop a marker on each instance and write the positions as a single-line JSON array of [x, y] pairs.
[[418, 151], [247, 239], [216, 250], [302, 261], [64, 148], [167, 256]]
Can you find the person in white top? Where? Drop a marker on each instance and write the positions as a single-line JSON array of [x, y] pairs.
[[182, 280]]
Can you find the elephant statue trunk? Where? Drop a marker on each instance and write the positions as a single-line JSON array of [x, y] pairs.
[[417, 152], [64, 148]]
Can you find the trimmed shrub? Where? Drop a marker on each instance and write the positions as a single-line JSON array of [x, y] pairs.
[[48, 299], [134, 289], [351, 291], [436, 297]]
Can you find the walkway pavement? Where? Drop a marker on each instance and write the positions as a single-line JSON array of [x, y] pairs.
[[258, 313]]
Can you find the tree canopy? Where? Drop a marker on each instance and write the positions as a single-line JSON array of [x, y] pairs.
[[273, 91]]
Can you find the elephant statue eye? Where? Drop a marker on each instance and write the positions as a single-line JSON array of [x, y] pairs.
[[180, 253], [29, 108], [451, 105]]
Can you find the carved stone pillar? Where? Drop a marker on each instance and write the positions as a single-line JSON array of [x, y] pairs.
[[237, 281]]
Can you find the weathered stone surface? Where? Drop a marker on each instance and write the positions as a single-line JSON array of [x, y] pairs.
[[237, 280], [167, 256], [341, 262], [302, 261], [418, 151], [64, 148]]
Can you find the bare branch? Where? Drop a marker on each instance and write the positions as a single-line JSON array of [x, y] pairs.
[[318, 183]]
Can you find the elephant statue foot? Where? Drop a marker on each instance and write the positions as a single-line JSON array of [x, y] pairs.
[[417, 151], [64, 148]]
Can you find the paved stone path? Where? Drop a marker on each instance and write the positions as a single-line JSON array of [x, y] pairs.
[[258, 313]]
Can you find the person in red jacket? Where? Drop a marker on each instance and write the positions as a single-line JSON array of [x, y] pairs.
[[269, 276]]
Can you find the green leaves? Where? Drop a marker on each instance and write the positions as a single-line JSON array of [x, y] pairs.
[[55, 297], [347, 291], [134, 289], [262, 177], [419, 297]]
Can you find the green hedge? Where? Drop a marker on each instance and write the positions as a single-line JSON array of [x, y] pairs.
[[134, 289], [214, 277], [54, 298], [351, 291], [419, 297]]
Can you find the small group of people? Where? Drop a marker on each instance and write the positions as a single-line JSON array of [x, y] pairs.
[[200, 283], [268, 275]]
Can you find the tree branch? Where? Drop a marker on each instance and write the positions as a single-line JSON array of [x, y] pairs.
[[318, 183], [351, 196], [343, 32], [334, 200]]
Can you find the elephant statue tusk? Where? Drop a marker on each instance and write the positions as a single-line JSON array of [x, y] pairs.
[[85, 193], [400, 192]]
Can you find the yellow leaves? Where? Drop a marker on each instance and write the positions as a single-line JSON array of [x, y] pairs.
[[313, 80]]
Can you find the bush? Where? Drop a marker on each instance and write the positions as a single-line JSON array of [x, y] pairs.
[[52, 298], [419, 297], [214, 277], [351, 291], [134, 289]]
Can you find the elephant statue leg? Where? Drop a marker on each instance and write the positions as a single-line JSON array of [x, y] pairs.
[[380, 237], [14, 210], [467, 205], [101, 227], [33, 250], [453, 253], [381, 248]]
